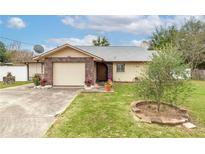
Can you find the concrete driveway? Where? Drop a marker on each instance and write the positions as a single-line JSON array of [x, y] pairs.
[[28, 112]]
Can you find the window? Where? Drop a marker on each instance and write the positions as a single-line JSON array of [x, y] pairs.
[[120, 67]]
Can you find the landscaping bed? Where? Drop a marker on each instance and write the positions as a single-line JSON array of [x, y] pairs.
[[168, 114]]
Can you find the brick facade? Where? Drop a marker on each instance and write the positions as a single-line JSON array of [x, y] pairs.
[[95, 71], [110, 70], [89, 67]]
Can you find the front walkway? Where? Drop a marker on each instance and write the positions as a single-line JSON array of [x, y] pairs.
[[28, 112]]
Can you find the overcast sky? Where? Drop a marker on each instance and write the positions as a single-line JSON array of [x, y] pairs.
[[51, 31]]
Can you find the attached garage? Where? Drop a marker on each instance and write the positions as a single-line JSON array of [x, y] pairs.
[[68, 74]]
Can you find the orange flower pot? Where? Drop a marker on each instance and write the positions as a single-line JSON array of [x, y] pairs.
[[107, 88]]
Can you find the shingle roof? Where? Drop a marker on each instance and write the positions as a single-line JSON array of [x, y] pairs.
[[120, 53]]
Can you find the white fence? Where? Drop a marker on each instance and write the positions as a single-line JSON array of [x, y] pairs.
[[198, 74], [20, 72]]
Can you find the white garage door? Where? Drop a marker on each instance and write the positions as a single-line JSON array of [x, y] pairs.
[[68, 74]]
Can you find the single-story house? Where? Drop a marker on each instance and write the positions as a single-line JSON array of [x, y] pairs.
[[69, 65]]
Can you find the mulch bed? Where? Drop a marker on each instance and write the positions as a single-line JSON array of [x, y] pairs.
[[147, 111]]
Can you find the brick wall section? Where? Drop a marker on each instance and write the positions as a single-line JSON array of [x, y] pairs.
[[89, 71], [110, 69], [48, 71], [95, 72], [89, 66]]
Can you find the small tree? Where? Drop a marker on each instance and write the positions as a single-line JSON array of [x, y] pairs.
[[165, 78]]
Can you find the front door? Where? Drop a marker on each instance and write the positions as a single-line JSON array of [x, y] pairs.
[[101, 72]]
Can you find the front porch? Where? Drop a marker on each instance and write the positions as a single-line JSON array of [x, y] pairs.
[[104, 71]]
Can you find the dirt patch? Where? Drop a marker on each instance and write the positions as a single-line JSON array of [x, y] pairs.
[[168, 114]]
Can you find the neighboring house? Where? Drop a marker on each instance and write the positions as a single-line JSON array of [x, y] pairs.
[[71, 65]]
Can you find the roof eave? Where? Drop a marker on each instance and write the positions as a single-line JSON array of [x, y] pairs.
[[127, 60], [63, 46]]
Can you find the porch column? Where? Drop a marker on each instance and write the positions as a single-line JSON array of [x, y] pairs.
[[89, 71], [110, 70], [48, 71]]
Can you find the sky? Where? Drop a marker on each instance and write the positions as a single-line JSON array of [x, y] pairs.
[[52, 31]]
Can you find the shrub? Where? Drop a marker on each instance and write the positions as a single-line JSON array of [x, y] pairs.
[[9, 74], [88, 82], [36, 79], [165, 79], [43, 82]]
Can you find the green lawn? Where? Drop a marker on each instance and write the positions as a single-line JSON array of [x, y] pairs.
[[108, 115], [17, 83]]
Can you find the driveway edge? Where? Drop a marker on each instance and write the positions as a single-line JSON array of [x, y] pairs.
[[14, 87], [61, 112]]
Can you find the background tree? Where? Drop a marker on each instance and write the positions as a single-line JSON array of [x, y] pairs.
[[163, 37], [20, 56], [101, 41], [193, 26], [14, 55], [192, 42], [189, 40], [4, 56], [162, 81]]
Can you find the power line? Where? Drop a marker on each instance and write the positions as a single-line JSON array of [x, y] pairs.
[[6, 38]]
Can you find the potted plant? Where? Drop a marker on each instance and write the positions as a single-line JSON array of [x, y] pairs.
[[88, 84], [108, 85], [43, 82], [36, 79]]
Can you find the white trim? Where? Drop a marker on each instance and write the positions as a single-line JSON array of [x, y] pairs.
[[63, 46]]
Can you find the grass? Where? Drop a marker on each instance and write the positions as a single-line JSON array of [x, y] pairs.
[[108, 115], [17, 83]]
